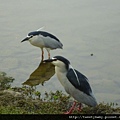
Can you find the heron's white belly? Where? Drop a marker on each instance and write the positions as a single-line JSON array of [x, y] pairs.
[[37, 43], [75, 93], [65, 82]]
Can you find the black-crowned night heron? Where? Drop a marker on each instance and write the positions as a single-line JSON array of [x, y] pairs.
[[75, 83], [43, 39]]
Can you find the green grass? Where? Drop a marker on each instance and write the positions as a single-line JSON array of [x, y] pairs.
[[53, 103], [27, 100]]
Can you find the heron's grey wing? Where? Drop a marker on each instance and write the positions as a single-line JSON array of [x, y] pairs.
[[79, 81], [50, 40], [46, 34]]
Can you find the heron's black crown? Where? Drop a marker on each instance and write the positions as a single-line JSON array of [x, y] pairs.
[[64, 60], [45, 34]]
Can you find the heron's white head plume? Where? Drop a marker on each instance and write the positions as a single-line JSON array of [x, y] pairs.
[[40, 28]]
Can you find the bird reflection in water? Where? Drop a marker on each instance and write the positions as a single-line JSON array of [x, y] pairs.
[[43, 73]]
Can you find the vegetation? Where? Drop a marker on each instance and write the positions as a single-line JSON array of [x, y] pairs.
[[27, 100]]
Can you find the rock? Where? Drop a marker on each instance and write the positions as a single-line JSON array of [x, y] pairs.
[[15, 94]]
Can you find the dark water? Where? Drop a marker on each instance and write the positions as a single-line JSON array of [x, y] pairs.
[[85, 27]]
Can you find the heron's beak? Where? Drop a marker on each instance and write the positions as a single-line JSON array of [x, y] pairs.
[[26, 39], [48, 60]]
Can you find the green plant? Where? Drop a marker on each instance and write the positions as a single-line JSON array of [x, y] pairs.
[[5, 81]]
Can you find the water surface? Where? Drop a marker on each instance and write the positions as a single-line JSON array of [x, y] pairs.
[[84, 27]]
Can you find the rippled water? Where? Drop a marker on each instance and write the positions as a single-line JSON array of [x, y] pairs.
[[85, 27]]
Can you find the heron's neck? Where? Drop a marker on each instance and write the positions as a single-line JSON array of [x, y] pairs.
[[60, 69]]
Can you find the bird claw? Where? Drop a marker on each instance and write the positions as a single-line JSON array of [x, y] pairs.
[[71, 109], [79, 107], [68, 112]]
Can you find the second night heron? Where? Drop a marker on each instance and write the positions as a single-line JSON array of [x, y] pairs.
[[43, 39], [75, 83]]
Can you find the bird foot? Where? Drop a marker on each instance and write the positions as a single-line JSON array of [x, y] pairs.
[[68, 112], [79, 108], [71, 109]]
